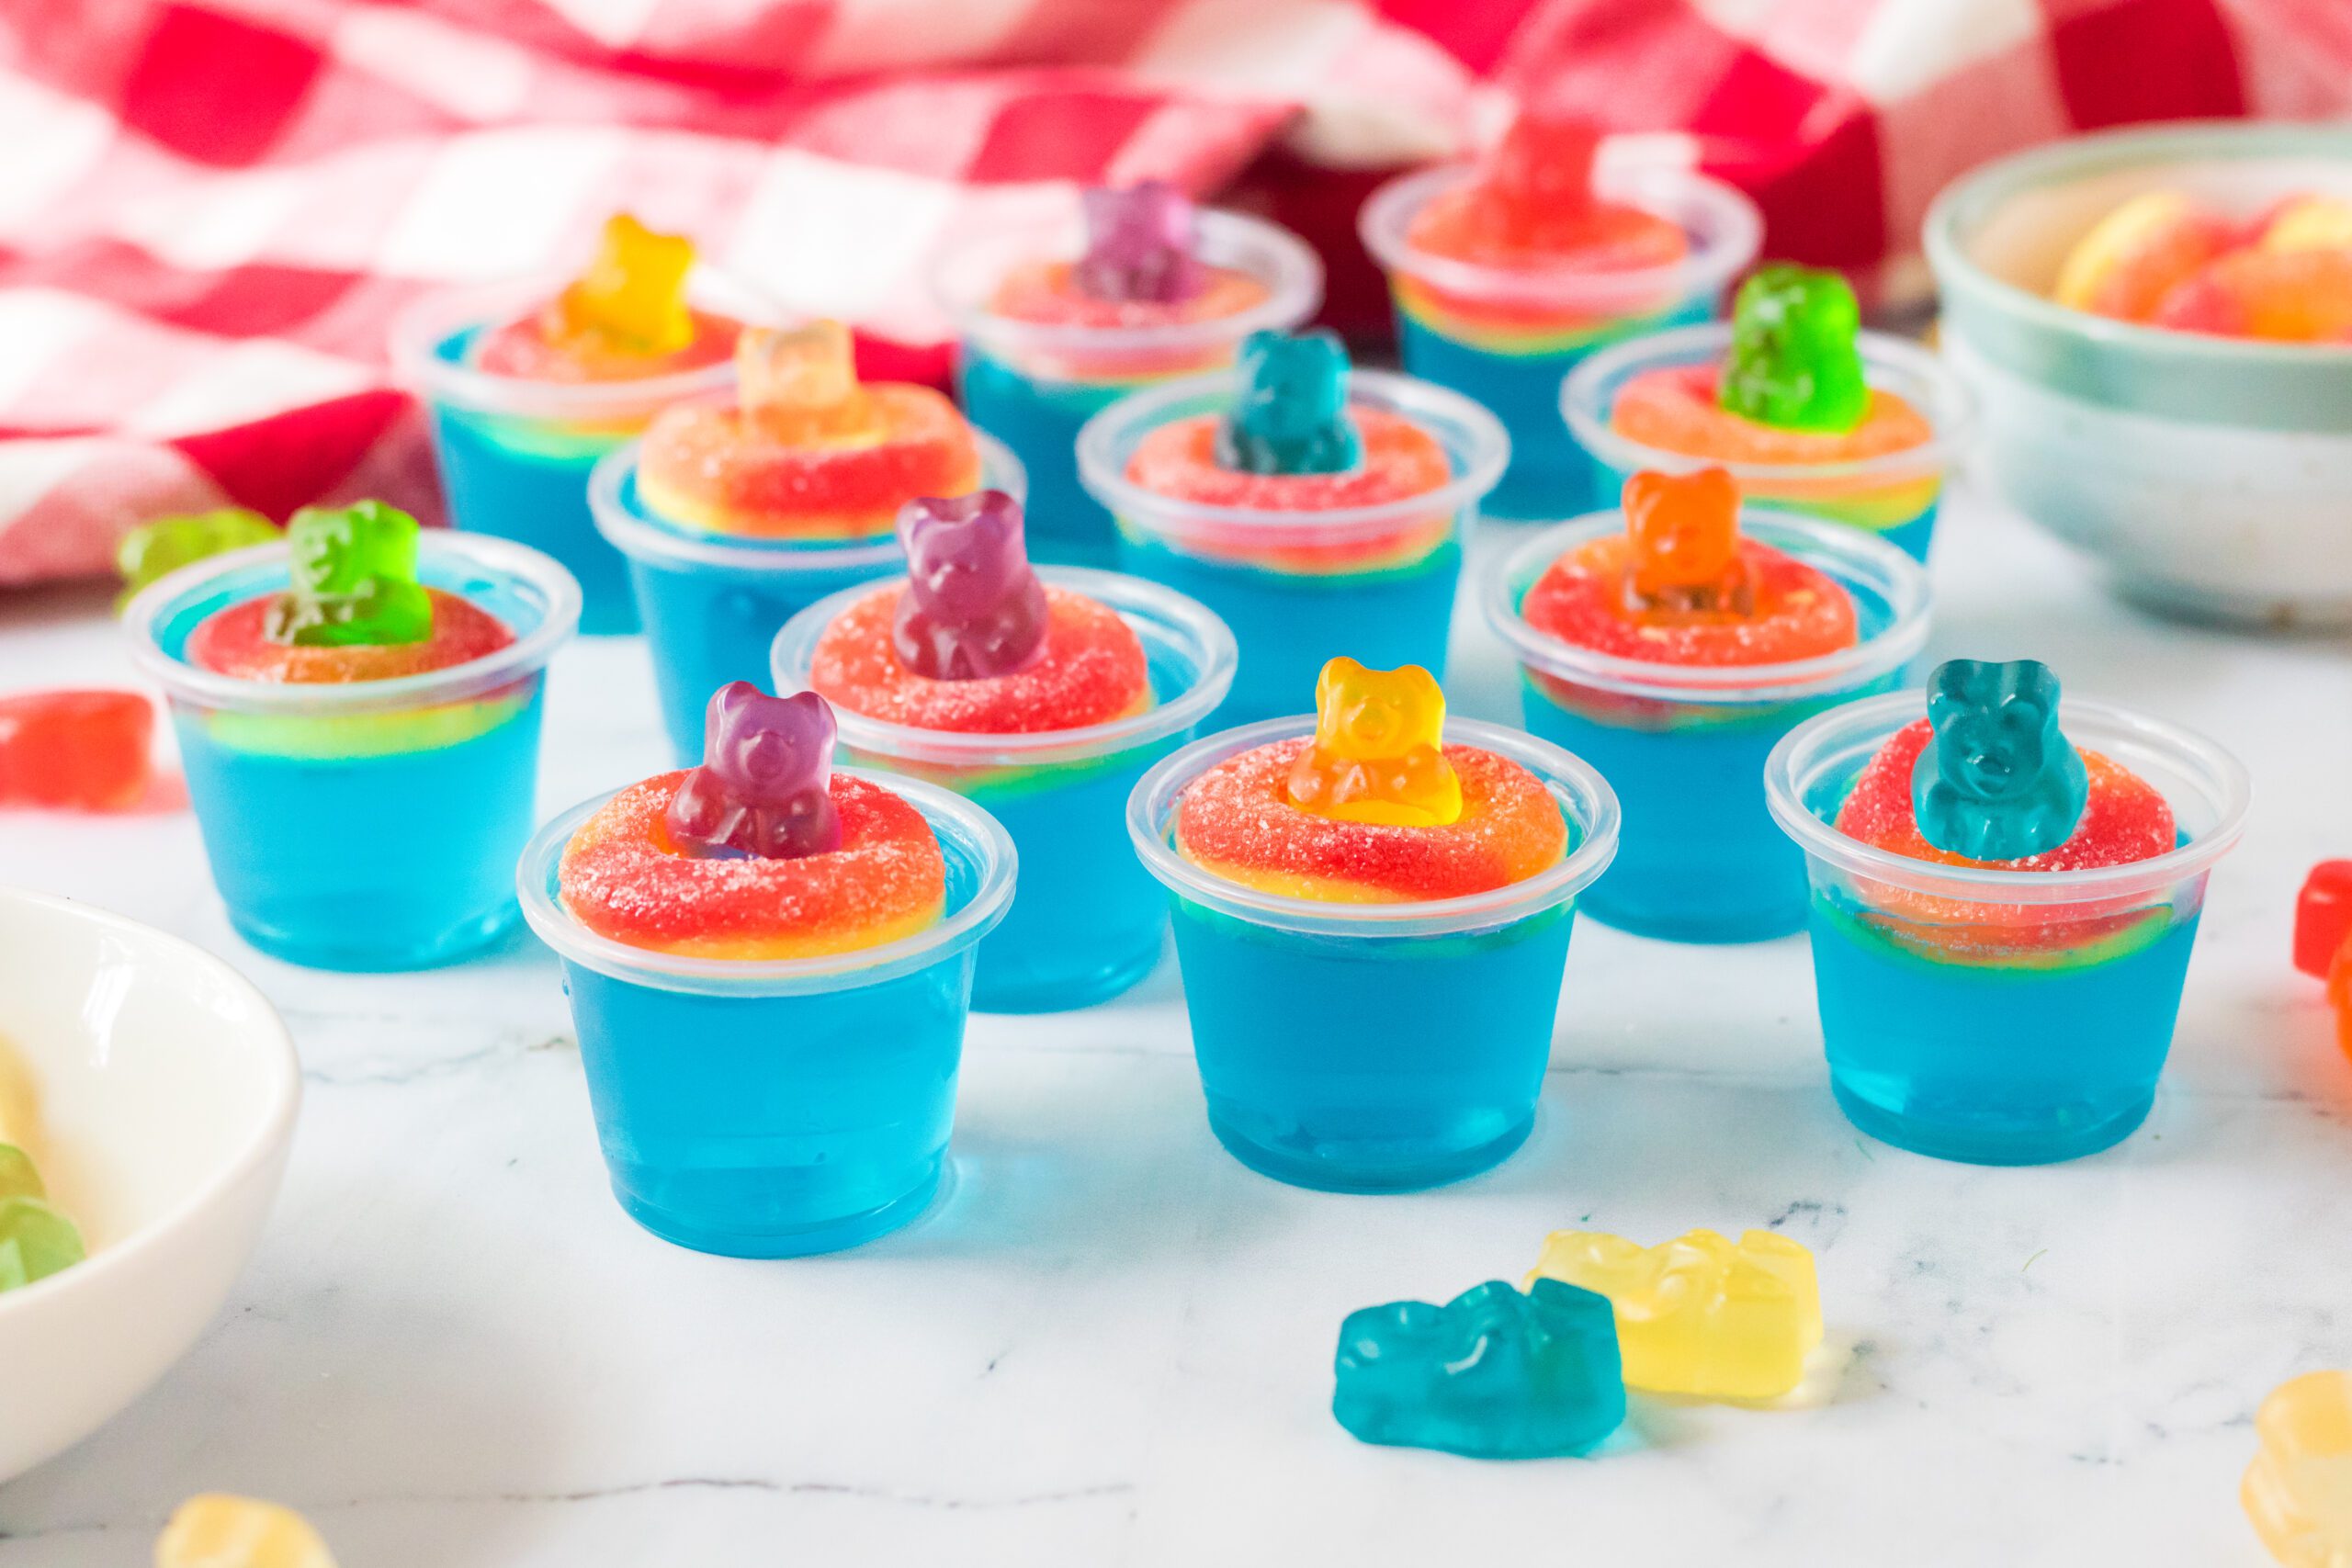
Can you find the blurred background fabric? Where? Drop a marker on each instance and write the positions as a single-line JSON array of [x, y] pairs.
[[210, 210]]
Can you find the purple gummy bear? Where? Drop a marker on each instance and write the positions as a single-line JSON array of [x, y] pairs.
[[972, 608], [764, 789], [1139, 246]]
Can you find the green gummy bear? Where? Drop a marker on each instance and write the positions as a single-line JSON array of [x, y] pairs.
[[1793, 363], [355, 579], [158, 548], [36, 1241], [17, 1176]]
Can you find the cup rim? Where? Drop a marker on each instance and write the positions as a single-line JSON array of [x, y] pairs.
[[1582, 795], [185, 683], [790, 654], [1839, 548], [1952, 408], [2100, 726], [633, 532], [575, 944], [1665, 188]]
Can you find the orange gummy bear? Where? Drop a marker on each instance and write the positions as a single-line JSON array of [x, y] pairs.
[[801, 383], [632, 298], [1376, 754], [1684, 532]]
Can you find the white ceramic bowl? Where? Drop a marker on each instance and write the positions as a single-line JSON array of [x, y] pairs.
[[166, 1089]]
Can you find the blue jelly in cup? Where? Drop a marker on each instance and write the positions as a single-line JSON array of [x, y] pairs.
[[1699, 859], [713, 602], [514, 454], [1517, 332], [1373, 1047], [1375, 580], [367, 826], [777, 1107], [1089, 923], [1034, 384], [1895, 495], [1991, 1016]]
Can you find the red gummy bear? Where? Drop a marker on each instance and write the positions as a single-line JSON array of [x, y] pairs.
[[85, 750], [2324, 917]]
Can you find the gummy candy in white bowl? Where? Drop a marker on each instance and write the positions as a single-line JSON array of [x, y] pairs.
[[156, 1090]]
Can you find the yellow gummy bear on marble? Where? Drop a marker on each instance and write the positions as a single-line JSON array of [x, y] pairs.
[[801, 383], [633, 296], [2297, 1490], [219, 1531], [1699, 1315], [1376, 756]]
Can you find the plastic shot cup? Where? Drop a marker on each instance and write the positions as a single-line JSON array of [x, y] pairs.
[[713, 602], [1373, 1047], [1089, 923], [514, 454], [1033, 385], [367, 826], [1991, 1016], [1505, 336], [1294, 585], [1895, 495], [1684, 745], [774, 1109]]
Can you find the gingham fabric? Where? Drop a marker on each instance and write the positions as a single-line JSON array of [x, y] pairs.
[[210, 210]]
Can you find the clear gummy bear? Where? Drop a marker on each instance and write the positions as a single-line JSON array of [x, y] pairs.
[[972, 609]]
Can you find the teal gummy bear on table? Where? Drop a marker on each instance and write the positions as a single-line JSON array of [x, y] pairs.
[[353, 579], [1793, 364], [2000, 781], [1492, 1374], [1292, 415]]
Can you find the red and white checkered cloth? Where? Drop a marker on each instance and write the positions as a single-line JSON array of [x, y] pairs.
[[209, 208]]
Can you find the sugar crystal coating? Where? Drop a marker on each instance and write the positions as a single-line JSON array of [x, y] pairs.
[[1679, 408], [233, 641]]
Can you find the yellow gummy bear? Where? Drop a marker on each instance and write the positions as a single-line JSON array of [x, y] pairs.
[[219, 1531], [801, 383], [2297, 1490], [1375, 756], [1699, 1315], [633, 296]]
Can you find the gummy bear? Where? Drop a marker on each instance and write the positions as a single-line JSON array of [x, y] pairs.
[[1292, 415], [801, 383], [1140, 245], [156, 549], [763, 790], [972, 610], [2297, 1490], [219, 1531], [1376, 755], [355, 579], [1492, 1374], [1793, 364], [86, 750], [2324, 917], [1699, 1315], [1684, 534], [632, 298], [2000, 781], [36, 1241]]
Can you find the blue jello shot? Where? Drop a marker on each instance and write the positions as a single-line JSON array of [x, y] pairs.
[[782, 1107], [1294, 584], [1895, 495], [1699, 859], [1373, 1047], [1991, 1015], [1089, 923], [368, 825], [1034, 384], [713, 602]]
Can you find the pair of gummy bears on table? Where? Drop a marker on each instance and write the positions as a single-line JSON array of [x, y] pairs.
[[2163, 259]]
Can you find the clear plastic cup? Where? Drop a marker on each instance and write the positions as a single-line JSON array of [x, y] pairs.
[[713, 602], [367, 826], [1089, 923], [1895, 495], [1033, 385], [1505, 336], [1684, 745], [1991, 1016], [1373, 1047], [514, 454], [1375, 582], [774, 1109]]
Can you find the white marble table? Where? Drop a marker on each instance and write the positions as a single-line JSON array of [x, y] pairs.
[[1110, 1344]]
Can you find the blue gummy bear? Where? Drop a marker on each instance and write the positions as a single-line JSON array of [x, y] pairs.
[[1292, 415], [2000, 781], [1491, 1374]]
